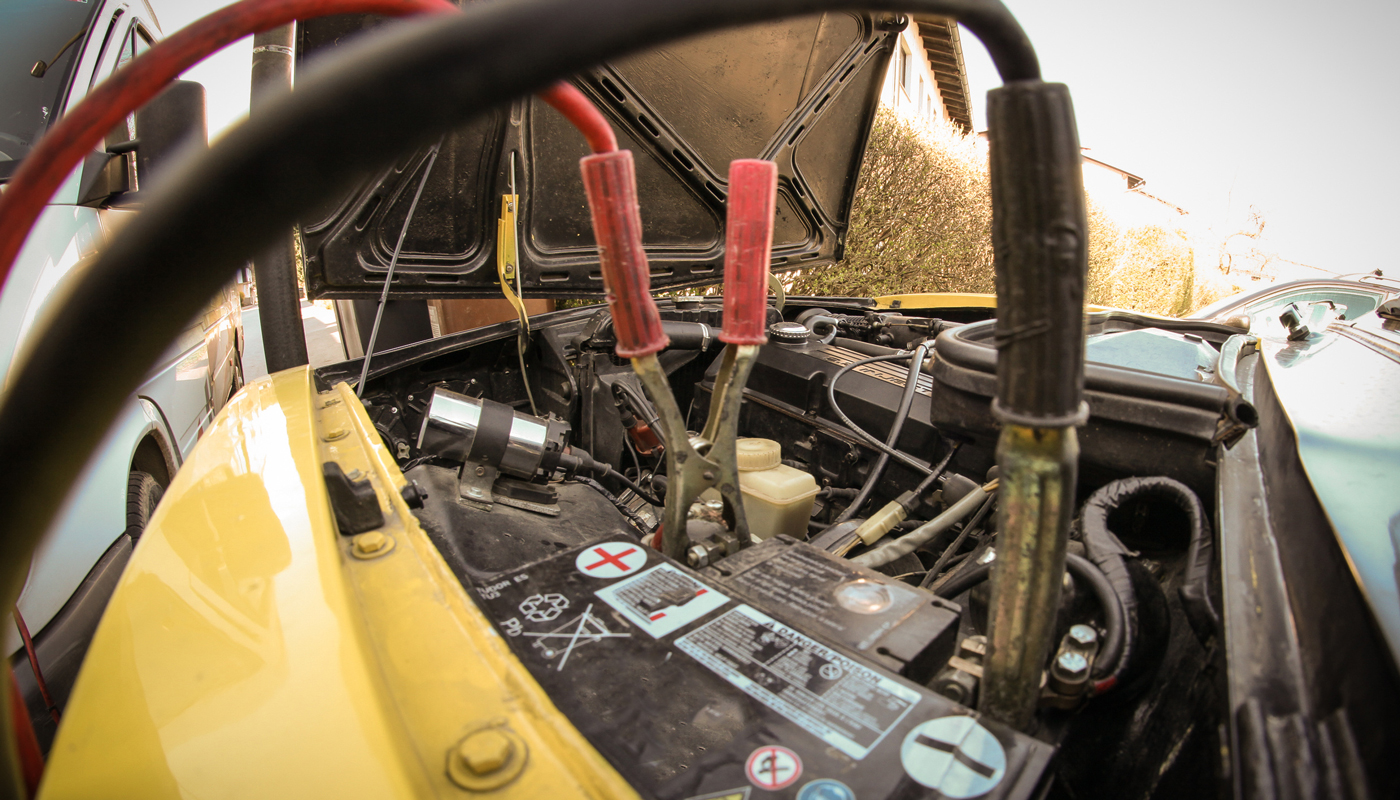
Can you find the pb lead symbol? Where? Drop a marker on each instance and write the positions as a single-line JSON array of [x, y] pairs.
[[954, 755], [544, 607], [611, 560], [773, 768]]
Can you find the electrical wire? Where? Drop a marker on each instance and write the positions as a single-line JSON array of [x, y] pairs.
[[908, 461], [34, 665], [952, 549], [636, 489], [906, 401], [632, 516], [579, 110], [84, 126], [394, 262]]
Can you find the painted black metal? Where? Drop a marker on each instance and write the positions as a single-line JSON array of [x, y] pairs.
[[801, 92], [672, 727], [354, 502]]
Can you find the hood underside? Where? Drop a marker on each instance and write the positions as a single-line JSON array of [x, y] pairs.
[[801, 92]]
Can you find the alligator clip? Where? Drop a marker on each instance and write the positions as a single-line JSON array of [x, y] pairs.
[[692, 465]]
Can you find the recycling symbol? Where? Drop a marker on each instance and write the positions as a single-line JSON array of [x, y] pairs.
[[544, 607]]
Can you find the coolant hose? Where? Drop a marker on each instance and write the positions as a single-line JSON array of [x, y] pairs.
[[925, 533], [1109, 554], [906, 401]]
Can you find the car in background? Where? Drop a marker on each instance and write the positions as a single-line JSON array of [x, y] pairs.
[[51, 55], [1346, 298]]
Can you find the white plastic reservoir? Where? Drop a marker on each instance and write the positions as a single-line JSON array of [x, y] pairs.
[[777, 498]]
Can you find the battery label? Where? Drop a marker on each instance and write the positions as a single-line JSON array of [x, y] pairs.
[[845, 704], [662, 600]]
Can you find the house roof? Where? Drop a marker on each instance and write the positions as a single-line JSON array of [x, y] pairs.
[[944, 49]]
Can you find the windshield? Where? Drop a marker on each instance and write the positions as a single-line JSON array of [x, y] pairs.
[[30, 31]]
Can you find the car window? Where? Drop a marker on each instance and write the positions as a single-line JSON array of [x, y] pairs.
[[1349, 303], [32, 31]]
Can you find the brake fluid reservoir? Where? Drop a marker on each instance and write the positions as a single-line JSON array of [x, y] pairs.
[[777, 498]]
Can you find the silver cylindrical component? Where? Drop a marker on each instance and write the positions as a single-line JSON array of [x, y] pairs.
[[461, 428]]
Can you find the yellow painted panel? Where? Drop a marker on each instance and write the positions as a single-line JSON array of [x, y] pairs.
[[248, 653]]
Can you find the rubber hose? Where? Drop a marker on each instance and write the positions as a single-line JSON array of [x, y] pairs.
[[354, 110], [1106, 551], [906, 401], [1079, 567], [858, 430], [923, 534]]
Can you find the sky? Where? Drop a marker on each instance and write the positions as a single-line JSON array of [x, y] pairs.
[[1223, 106], [1226, 104]]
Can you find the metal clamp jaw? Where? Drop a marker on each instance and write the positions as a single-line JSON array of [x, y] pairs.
[[710, 460]]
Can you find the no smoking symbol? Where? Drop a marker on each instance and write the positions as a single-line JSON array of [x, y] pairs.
[[611, 560], [544, 607], [773, 768]]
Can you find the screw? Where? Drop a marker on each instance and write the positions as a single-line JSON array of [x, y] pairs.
[[1083, 635], [370, 543], [1073, 666], [708, 475], [354, 475], [485, 752], [481, 472], [338, 433]]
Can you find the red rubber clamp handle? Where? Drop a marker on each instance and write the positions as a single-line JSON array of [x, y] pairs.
[[748, 244], [610, 179]]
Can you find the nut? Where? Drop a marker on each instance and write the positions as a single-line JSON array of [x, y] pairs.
[[697, 556]]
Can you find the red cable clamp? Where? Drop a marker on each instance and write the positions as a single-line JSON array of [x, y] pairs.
[[748, 245], [610, 179]]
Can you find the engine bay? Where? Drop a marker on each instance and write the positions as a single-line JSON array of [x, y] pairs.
[[805, 639]]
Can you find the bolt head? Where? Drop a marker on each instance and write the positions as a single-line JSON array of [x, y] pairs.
[[480, 472], [371, 542], [1083, 635], [1073, 665], [485, 752]]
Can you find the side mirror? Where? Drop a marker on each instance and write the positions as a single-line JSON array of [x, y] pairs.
[[174, 119]]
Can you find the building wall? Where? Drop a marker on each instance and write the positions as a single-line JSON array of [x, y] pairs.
[[912, 92]]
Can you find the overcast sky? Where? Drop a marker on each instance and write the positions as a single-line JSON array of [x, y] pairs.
[[1219, 104], [1233, 103]]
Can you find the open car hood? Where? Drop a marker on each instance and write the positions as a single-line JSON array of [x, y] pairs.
[[801, 92]]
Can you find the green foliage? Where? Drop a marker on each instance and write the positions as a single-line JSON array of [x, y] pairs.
[[921, 222], [921, 218]]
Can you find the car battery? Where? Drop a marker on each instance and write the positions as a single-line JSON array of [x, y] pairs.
[[695, 685], [904, 629]]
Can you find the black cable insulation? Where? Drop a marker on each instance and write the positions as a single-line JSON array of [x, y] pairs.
[[906, 401], [630, 484], [354, 110], [632, 516], [907, 460], [1111, 649], [952, 549]]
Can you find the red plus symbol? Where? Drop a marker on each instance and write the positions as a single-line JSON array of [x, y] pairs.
[[609, 558]]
